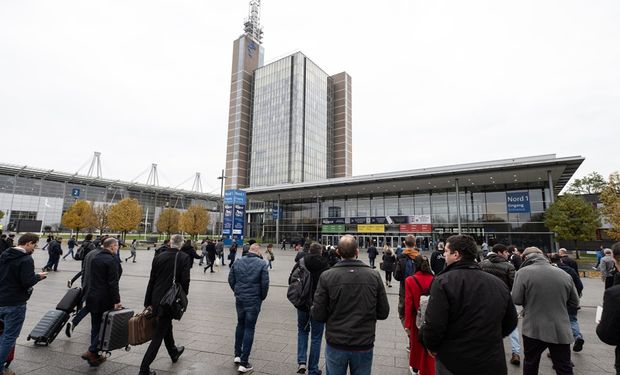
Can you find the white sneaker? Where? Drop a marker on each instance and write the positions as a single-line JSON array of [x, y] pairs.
[[247, 368], [237, 360]]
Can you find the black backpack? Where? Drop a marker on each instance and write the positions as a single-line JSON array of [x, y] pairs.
[[300, 287], [82, 250]]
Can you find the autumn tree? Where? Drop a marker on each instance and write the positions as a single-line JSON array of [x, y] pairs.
[[195, 220], [168, 221], [101, 212], [589, 184], [79, 216], [610, 197], [572, 219], [125, 215]]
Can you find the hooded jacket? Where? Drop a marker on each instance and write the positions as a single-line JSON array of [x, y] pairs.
[[499, 266], [401, 265], [545, 292], [17, 277]]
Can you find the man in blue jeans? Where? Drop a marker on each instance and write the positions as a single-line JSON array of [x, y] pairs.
[[350, 298], [315, 264], [249, 279], [17, 278]]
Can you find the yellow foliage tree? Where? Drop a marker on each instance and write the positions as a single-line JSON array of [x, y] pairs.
[[125, 215], [168, 221], [195, 220], [101, 213], [79, 216], [610, 197]]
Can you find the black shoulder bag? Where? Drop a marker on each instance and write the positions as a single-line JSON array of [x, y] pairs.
[[174, 302]]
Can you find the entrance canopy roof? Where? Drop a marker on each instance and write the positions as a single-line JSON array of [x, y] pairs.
[[484, 175]]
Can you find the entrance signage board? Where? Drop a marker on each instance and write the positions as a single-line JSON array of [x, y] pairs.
[[358, 220], [333, 220], [518, 202], [371, 228], [333, 228]]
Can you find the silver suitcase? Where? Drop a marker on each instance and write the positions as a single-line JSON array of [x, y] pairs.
[[114, 331]]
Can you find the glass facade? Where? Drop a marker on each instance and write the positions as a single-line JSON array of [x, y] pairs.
[[483, 215], [35, 198], [290, 123]]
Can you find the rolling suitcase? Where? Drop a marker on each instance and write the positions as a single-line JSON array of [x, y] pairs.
[[48, 327], [114, 331], [70, 301]]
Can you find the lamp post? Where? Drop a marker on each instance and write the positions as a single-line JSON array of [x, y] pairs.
[[221, 178]]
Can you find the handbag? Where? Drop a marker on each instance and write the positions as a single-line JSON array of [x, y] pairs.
[[382, 266], [174, 302], [218, 262], [141, 327]]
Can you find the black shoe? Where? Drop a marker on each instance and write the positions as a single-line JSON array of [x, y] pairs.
[[578, 345], [205, 270], [212, 271], [151, 372], [68, 329], [180, 350]]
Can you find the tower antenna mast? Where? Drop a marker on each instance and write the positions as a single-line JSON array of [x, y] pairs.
[[252, 25]]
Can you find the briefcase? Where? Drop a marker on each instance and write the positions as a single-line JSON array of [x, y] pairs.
[[141, 327]]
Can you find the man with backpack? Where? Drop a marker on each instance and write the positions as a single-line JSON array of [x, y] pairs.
[[350, 298], [405, 268], [468, 315], [302, 286]]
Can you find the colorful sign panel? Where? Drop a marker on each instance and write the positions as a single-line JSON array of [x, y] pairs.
[[333, 228], [333, 220], [234, 214], [371, 228], [518, 202], [417, 224], [358, 220]]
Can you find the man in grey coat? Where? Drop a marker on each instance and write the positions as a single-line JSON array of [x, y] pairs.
[[545, 292]]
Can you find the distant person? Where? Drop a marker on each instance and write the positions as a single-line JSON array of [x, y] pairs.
[[232, 254], [568, 260], [219, 250], [546, 293], [211, 255], [389, 262], [188, 248], [608, 329], [438, 262], [607, 268], [372, 254], [468, 315], [514, 257], [405, 267], [572, 311], [70, 245], [350, 298], [283, 244], [164, 246], [249, 279], [54, 251], [17, 279], [162, 273], [269, 257], [599, 255], [132, 248], [203, 252]]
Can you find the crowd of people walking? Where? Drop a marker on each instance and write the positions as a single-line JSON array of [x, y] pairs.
[[456, 304]]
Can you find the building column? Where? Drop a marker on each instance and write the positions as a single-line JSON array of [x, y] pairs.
[[458, 205], [554, 243], [278, 221]]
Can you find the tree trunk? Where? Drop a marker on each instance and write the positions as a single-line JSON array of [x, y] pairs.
[[576, 251]]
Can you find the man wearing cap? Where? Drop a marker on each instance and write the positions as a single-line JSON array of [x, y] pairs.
[[546, 293]]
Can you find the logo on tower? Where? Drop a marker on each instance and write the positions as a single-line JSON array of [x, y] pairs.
[[251, 48]]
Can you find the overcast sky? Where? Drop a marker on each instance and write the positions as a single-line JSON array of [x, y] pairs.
[[434, 82]]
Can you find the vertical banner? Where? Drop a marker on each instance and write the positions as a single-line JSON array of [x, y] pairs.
[[234, 215]]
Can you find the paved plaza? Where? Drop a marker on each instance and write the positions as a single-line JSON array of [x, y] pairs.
[[207, 329]]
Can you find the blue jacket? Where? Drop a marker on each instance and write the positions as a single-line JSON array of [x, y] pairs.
[[249, 278], [17, 277]]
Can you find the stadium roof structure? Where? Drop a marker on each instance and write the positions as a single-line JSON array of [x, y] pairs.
[[514, 173], [58, 176]]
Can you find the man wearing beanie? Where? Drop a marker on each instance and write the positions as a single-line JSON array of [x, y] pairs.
[[545, 292]]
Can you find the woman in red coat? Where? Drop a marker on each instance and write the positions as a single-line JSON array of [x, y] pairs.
[[419, 359]]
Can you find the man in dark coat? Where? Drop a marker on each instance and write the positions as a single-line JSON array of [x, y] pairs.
[[3, 243], [497, 264], [568, 260], [468, 314], [315, 264], [372, 254], [17, 278], [103, 294], [350, 298], [249, 279], [160, 282], [438, 262], [572, 311], [210, 249], [54, 251]]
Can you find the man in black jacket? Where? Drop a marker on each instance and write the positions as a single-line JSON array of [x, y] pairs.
[[558, 260], [350, 298], [608, 329], [568, 260], [162, 272], [103, 294], [315, 263], [17, 278], [55, 251], [468, 314]]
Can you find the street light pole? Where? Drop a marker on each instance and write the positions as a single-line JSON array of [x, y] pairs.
[[221, 178]]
